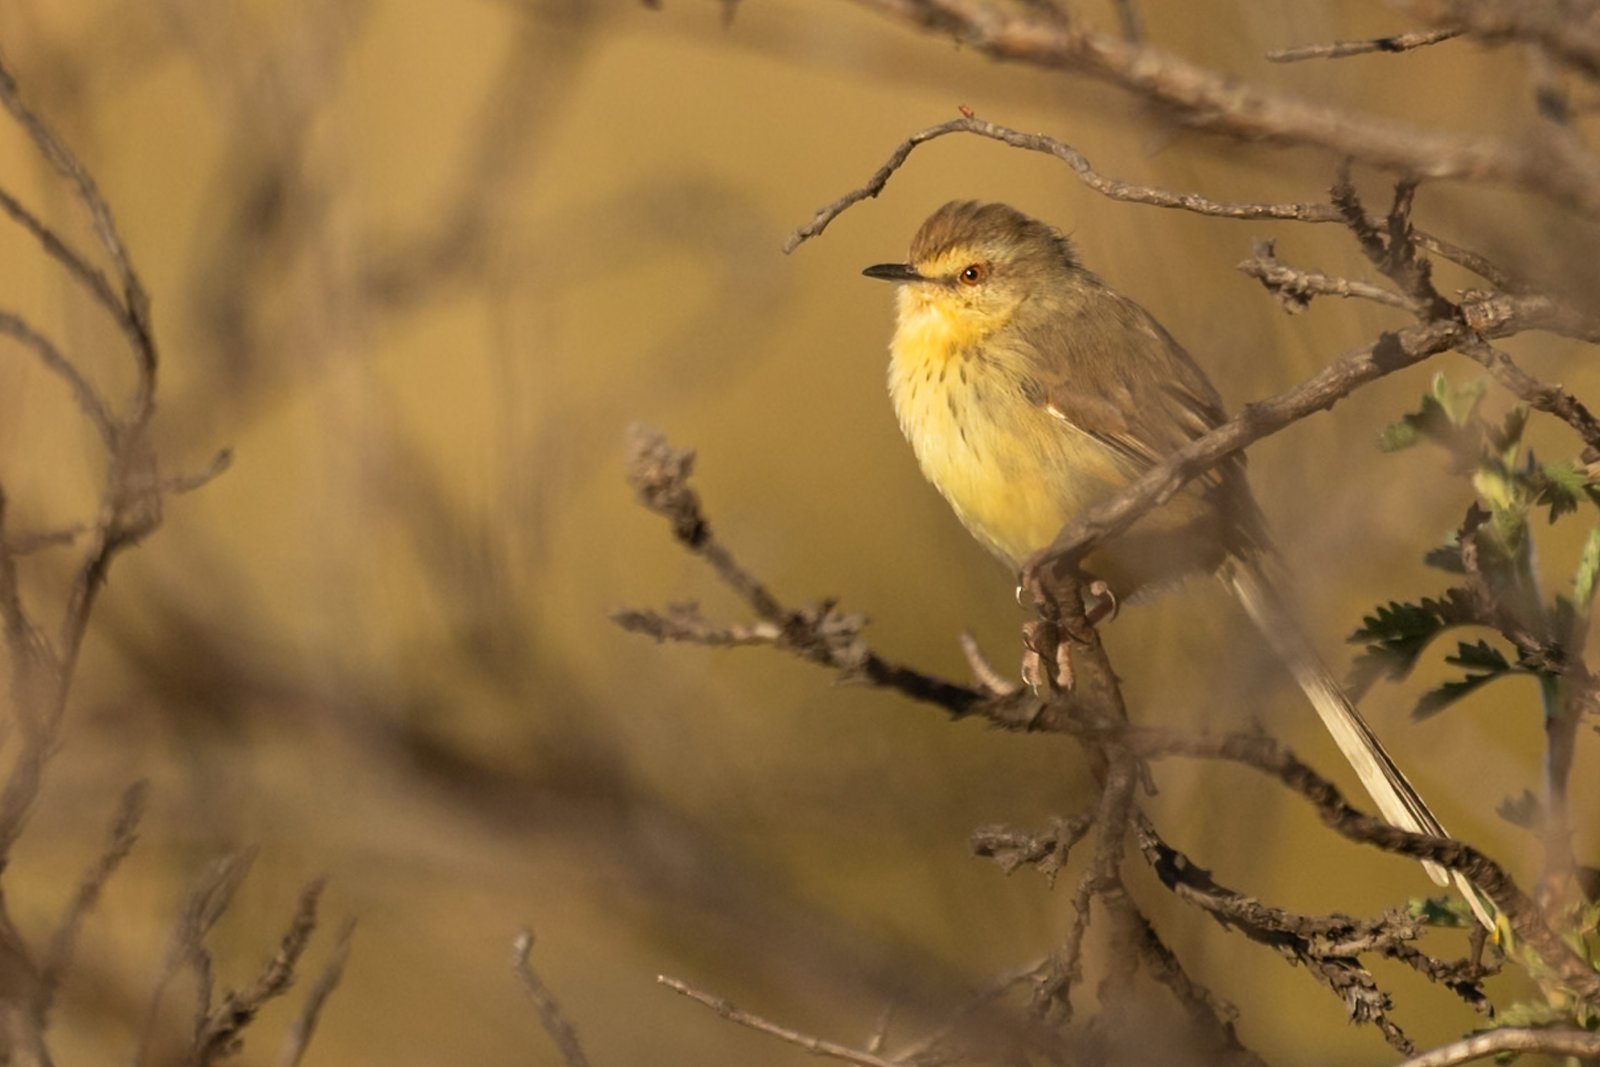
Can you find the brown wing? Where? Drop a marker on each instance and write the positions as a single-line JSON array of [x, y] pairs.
[[1122, 379], [1126, 382]]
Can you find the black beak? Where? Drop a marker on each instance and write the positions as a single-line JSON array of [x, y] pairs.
[[894, 272]]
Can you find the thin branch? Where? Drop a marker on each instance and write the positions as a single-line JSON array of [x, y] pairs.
[[551, 1017], [1130, 192], [1393, 351], [124, 831], [1113, 188], [76, 264], [136, 302], [1400, 42], [1296, 288], [1265, 755], [1558, 28], [814, 1045], [219, 1032], [89, 402], [820, 633], [203, 905], [1541, 396], [298, 1038], [1228, 106], [1580, 1044]]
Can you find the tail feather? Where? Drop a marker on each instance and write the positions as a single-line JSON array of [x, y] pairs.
[[1396, 797]]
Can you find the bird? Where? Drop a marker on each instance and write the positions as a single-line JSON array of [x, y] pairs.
[[1030, 390]]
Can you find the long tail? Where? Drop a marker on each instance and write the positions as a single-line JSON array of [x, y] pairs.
[[1394, 794]]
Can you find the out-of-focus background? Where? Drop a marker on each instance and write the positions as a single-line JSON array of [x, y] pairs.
[[419, 265]]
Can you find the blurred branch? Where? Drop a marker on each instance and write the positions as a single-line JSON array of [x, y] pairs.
[[1400, 42], [815, 1045], [220, 1029], [1233, 108], [822, 634], [1565, 31], [1579, 1044], [299, 1036], [551, 1017], [58, 957]]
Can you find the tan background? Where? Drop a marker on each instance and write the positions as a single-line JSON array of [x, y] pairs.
[[378, 649]]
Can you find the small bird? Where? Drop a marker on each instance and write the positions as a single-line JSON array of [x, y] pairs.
[[1030, 390]]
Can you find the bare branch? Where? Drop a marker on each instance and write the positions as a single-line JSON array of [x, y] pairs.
[[1296, 288], [1560, 29], [551, 1017], [1580, 1044], [124, 831], [1541, 396], [1393, 351], [820, 633], [88, 400], [1036, 142], [814, 1045], [299, 1035], [136, 303], [202, 907], [220, 1032], [1400, 42], [1227, 106]]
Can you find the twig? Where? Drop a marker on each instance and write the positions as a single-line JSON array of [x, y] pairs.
[[1265, 755], [1541, 396], [1310, 212], [202, 907], [1295, 288], [822, 633], [124, 831], [1225, 105], [814, 1045], [219, 1032], [135, 302], [298, 1039], [1580, 1044], [551, 1017], [89, 402], [1037, 142], [1393, 351], [1557, 28], [984, 671], [1400, 42]]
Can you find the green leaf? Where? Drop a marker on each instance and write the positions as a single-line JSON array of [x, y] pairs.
[[1446, 557], [1561, 486], [1459, 403], [1396, 633], [1524, 810], [1480, 655], [1484, 663], [1508, 435], [1583, 581]]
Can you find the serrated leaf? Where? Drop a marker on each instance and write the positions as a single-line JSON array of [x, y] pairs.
[[1436, 700], [1508, 435], [1447, 557], [1561, 486], [1398, 436], [1524, 810], [1480, 655]]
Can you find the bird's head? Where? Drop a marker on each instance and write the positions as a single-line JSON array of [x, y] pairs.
[[974, 264]]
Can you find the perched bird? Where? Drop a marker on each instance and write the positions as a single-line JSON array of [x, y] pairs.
[[1030, 390]]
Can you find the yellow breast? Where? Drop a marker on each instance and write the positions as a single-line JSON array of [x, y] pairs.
[[1013, 473]]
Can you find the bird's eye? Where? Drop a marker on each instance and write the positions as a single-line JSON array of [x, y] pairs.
[[974, 274]]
